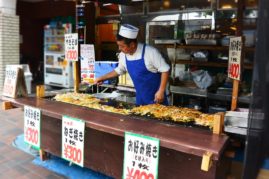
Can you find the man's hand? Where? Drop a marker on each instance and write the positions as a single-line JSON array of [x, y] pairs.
[[98, 81], [159, 96]]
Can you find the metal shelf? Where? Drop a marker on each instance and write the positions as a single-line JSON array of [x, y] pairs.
[[188, 91], [222, 97], [210, 64], [204, 93], [208, 47], [126, 88]]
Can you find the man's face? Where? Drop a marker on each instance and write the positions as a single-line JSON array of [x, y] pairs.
[[127, 49]]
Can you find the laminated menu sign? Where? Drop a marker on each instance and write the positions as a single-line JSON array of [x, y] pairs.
[[87, 63], [14, 84], [73, 131], [71, 46], [32, 121], [141, 156], [235, 51]]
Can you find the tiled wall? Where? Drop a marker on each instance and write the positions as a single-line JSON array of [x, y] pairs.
[[9, 43]]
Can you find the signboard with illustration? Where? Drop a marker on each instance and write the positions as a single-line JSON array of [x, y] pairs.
[[87, 63]]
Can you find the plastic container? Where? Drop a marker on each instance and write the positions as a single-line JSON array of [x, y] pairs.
[[28, 80]]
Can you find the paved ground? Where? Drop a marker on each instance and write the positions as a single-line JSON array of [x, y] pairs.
[[15, 163]]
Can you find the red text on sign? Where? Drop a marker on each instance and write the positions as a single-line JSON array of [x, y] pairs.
[[31, 135], [234, 70], [72, 153], [72, 54], [138, 174]]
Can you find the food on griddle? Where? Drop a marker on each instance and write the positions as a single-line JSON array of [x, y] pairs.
[[205, 120], [157, 111], [176, 114], [88, 101]]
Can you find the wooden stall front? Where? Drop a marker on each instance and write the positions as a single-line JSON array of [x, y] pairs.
[[181, 148]]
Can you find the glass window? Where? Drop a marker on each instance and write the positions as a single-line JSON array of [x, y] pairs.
[[169, 5]]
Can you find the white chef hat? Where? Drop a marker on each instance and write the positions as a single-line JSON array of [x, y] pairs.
[[128, 31]]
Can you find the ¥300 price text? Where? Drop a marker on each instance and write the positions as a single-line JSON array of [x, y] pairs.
[[31, 135], [72, 153]]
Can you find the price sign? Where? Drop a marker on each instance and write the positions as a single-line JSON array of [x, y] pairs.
[[87, 63], [141, 157], [73, 131], [71, 46], [10, 83], [32, 121], [235, 51]]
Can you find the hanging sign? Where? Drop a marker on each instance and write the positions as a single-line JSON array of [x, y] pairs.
[[32, 121], [141, 156], [71, 46], [235, 51], [87, 63], [14, 84], [73, 131]]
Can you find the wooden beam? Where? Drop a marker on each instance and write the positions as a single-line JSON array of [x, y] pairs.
[[218, 123], [7, 105], [206, 161]]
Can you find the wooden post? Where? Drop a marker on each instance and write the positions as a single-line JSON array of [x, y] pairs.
[[42, 155], [218, 123], [76, 77], [206, 161], [235, 94], [239, 26], [40, 91], [6, 105]]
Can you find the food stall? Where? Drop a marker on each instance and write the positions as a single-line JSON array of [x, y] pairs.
[[190, 146], [182, 149]]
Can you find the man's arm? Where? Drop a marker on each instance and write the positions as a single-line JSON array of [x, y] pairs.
[[159, 95], [107, 76]]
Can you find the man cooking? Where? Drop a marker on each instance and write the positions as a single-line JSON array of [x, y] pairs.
[[146, 66]]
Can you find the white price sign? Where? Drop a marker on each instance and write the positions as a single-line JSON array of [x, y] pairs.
[[141, 156], [87, 63], [73, 131], [71, 46], [235, 51], [10, 83], [32, 121]]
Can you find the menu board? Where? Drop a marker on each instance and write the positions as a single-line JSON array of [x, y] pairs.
[[73, 131], [32, 121], [235, 53], [14, 84], [141, 156], [71, 46], [87, 63]]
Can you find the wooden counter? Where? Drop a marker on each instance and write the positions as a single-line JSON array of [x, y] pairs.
[[181, 148]]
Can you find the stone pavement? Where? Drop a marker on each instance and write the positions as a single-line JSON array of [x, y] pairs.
[[15, 163]]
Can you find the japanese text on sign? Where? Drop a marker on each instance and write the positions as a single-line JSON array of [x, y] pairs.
[[87, 63], [235, 50], [10, 83], [73, 131], [71, 46], [141, 157], [32, 121]]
